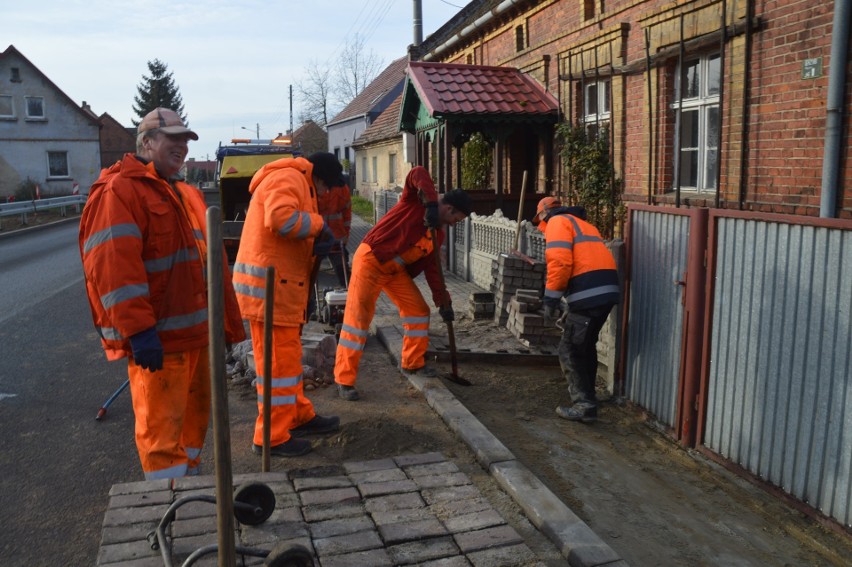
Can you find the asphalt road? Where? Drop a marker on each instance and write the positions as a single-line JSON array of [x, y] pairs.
[[57, 463]]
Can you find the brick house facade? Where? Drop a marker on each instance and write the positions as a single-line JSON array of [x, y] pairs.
[[699, 113]]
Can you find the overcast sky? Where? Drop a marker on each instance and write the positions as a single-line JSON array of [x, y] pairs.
[[233, 60]]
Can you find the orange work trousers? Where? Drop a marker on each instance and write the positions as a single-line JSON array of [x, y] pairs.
[[369, 278], [290, 407], [172, 409]]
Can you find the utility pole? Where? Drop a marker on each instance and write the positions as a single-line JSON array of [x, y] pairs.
[[291, 110]]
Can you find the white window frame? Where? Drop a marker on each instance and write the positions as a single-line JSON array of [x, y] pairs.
[[364, 171], [392, 169], [11, 100], [701, 104], [597, 105], [40, 99], [375, 169], [58, 175]]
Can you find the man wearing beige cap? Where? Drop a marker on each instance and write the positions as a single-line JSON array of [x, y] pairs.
[[143, 245]]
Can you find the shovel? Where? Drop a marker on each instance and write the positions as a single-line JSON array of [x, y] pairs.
[[454, 376]]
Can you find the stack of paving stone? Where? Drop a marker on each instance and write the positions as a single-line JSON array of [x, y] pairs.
[[511, 273], [481, 305], [526, 323]]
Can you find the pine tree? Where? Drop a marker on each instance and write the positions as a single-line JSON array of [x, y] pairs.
[[157, 90]]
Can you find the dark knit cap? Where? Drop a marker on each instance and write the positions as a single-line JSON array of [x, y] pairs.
[[327, 168], [459, 199]]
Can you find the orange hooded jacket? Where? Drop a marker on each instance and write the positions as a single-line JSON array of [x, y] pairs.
[[144, 259], [335, 206], [281, 224]]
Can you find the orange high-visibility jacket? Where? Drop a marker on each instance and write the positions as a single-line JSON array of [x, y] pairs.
[[579, 265], [403, 226], [335, 206], [143, 248], [281, 224]]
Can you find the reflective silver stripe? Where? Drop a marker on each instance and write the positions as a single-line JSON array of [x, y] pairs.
[[280, 400], [249, 270], [110, 334], [415, 332], [351, 345], [182, 321], [355, 331], [289, 224], [250, 290], [552, 293], [123, 294], [600, 290], [334, 216], [171, 472], [305, 230], [165, 263], [415, 320], [559, 244], [284, 382], [115, 231], [193, 452], [399, 261]]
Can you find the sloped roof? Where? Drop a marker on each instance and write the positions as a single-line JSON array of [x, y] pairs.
[[385, 82], [384, 127], [309, 128], [450, 89], [12, 51]]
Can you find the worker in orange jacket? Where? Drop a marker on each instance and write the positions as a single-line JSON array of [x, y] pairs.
[[284, 229], [581, 269], [397, 249], [142, 243], [335, 206]]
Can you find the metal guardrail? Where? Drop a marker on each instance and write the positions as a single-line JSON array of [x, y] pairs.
[[24, 208]]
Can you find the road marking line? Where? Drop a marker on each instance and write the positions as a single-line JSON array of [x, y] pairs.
[[2, 395]]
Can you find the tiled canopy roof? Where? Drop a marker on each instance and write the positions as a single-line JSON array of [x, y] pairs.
[[448, 89]]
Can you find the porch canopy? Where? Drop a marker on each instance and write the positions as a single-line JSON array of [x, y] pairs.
[[444, 103]]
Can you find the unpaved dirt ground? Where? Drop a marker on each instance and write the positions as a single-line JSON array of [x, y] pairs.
[[652, 502]]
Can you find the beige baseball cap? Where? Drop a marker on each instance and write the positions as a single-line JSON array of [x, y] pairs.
[[167, 121]]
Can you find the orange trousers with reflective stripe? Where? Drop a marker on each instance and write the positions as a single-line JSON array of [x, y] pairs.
[[290, 407], [369, 279], [172, 409]]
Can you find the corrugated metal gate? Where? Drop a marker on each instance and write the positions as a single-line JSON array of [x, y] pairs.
[[751, 363]]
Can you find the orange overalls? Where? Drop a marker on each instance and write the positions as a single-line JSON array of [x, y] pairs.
[[369, 278]]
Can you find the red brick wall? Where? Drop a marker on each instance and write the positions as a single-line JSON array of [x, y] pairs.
[[115, 142]]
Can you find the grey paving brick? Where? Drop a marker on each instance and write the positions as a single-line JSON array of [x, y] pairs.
[[371, 558], [489, 537], [449, 508], [141, 486], [264, 477], [451, 493], [141, 499], [364, 466], [330, 528], [268, 533], [450, 479], [394, 502], [384, 475], [310, 497], [424, 550], [321, 512], [391, 487], [457, 561], [143, 562], [405, 515], [312, 483], [421, 459], [194, 483], [510, 556], [194, 526], [128, 551], [411, 531], [338, 545], [286, 514], [127, 516], [430, 469], [474, 521]]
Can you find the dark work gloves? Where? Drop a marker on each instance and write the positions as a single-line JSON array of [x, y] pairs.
[[552, 312], [324, 241], [432, 220], [446, 312], [147, 350]]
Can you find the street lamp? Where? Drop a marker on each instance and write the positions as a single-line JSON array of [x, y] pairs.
[[257, 128]]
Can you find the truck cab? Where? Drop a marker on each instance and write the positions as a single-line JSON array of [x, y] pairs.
[[237, 164]]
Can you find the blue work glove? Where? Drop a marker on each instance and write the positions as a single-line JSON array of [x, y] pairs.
[[432, 220], [324, 241], [552, 312], [446, 312], [147, 350]]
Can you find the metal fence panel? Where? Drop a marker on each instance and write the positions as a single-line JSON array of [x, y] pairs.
[[779, 388], [658, 257]]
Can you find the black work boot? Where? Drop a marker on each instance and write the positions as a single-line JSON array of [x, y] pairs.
[[290, 448], [317, 425], [578, 412], [348, 393]]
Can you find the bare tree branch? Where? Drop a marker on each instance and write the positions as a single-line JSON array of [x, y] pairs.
[[356, 69], [315, 91]]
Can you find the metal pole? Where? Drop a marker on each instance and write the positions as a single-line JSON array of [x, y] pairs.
[[520, 210], [219, 390], [268, 310]]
